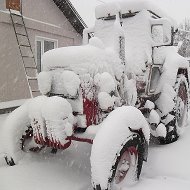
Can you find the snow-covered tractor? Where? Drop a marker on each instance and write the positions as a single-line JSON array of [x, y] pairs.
[[124, 86]]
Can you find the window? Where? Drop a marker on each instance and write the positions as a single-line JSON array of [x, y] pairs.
[[43, 45], [155, 76]]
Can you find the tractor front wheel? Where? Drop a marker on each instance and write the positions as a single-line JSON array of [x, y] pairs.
[[127, 166]]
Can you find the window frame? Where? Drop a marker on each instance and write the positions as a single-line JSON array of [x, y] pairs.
[[42, 40]]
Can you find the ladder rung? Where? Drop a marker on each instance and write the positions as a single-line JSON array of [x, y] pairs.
[[14, 14], [27, 67], [26, 56], [24, 45], [32, 78], [18, 24], [21, 34], [35, 90]]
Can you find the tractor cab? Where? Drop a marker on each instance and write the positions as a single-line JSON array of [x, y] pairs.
[[138, 34]]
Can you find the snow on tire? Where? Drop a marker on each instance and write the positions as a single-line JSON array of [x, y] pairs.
[[118, 151], [14, 127], [28, 127], [181, 101], [180, 111]]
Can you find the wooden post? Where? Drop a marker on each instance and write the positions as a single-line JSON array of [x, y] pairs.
[[13, 4]]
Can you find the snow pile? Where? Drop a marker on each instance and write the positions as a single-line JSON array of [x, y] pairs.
[[105, 87], [159, 55], [130, 91], [70, 169], [59, 118], [13, 103], [71, 83], [108, 9], [77, 104], [106, 102], [81, 121], [168, 79], [168, 119], [169, 90], [154, 118], [86, 33], [109, 32], [115, 62], [105, 82], [150, 105], [161, 130], [123, 6], [87, 85], [138, 42], [14, 127], [49, 117], [85, 59], [165, 103], [106, 31], [108, 142], [96, 42], [44, 82], [173, 61], [35, 114], [61, 82]]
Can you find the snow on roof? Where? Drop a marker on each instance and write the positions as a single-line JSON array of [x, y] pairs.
[[127, 6], [13, 103]]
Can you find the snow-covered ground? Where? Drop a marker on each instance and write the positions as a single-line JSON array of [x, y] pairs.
[[168, 167]]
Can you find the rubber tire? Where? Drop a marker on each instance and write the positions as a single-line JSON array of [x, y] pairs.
[[9, 161], [137, 141], [173, 135], [28, 134]]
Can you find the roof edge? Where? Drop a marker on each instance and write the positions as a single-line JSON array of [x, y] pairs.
[[71, 14]]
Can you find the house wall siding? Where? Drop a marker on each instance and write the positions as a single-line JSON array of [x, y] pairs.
[[42, 18]]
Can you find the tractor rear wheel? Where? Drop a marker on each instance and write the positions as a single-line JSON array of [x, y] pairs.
[[180, 112]]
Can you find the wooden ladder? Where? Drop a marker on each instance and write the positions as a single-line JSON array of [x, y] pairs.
[[27, 55]]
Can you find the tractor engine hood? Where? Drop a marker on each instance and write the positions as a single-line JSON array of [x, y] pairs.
[[87, 59]]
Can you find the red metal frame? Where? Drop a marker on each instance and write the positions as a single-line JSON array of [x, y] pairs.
[[58, 145], [74, 138]]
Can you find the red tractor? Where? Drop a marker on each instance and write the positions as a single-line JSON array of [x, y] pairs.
[[124, 86]]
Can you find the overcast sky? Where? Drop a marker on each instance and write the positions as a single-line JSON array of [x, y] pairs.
[[177, 9]]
